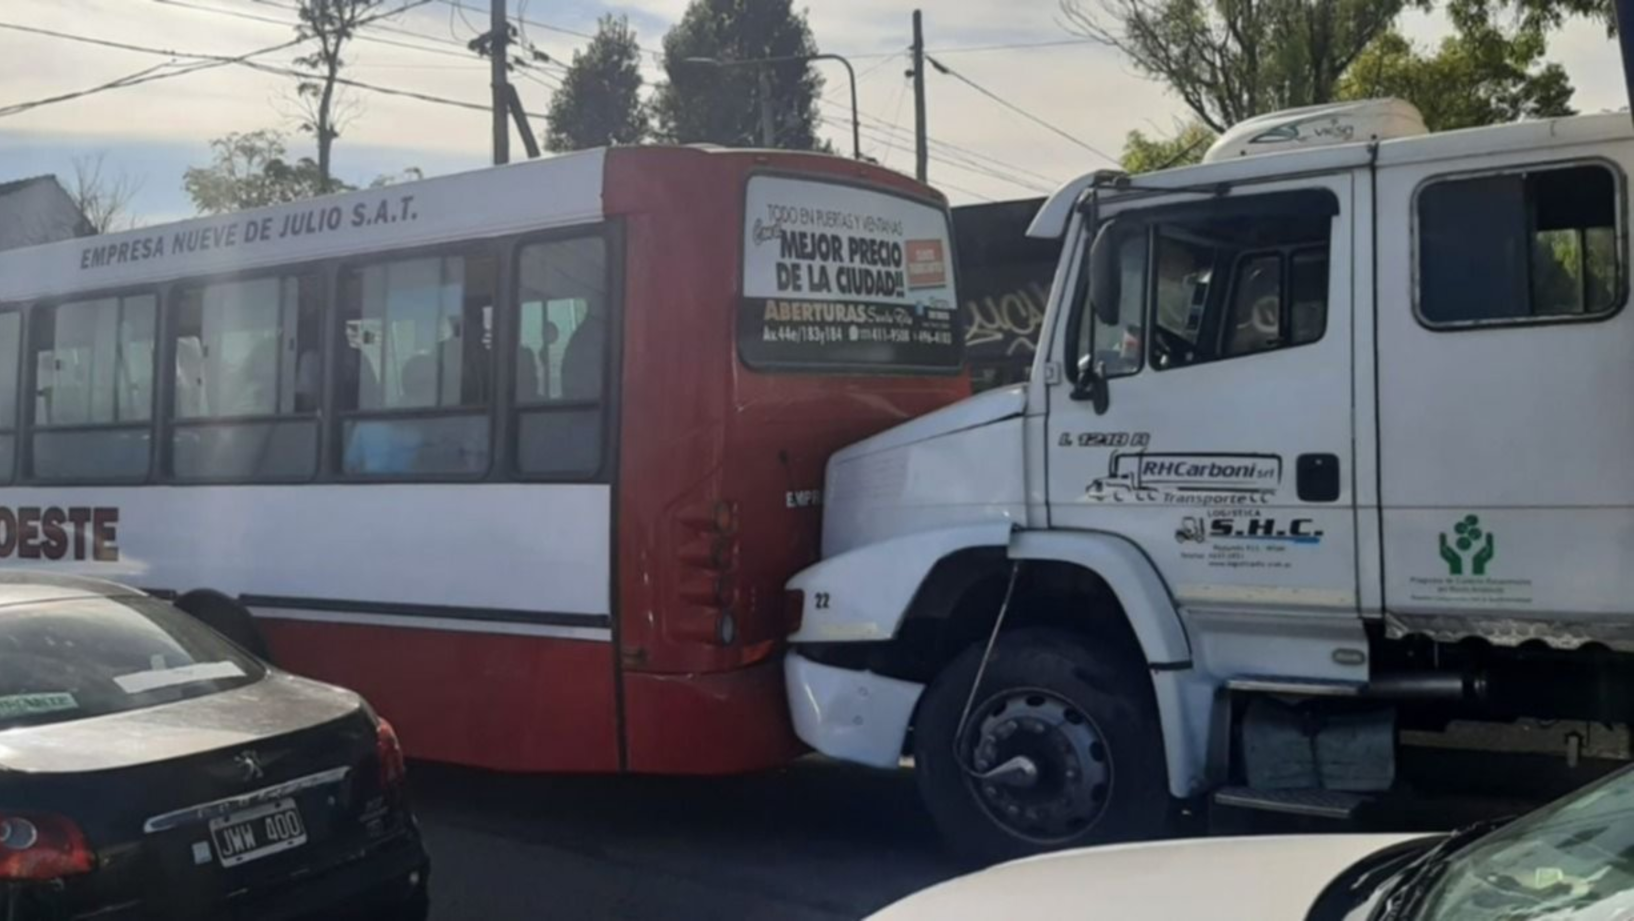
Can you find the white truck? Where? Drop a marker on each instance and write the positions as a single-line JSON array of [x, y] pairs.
[[1322, 456]]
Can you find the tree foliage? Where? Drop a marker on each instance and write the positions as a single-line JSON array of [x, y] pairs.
[[1144, 153], [599, 103], [250, 169], [324, 110], [1476, 77], [1229, 60], [721, 105]]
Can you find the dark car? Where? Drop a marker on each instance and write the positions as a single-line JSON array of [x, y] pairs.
[[150, 769]]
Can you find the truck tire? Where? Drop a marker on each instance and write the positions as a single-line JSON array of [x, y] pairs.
[[1076, 724], [227, 616]]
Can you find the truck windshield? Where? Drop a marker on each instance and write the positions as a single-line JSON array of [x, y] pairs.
[[1570, 861], [83, 657]]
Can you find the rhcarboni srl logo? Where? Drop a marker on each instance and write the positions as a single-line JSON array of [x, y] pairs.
[[1470, 548]]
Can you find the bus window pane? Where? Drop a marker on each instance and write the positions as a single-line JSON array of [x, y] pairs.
[[8, 456], [563, 442], [285, 450], [91, 454], [94, 362], [418, 334], [247, 349], [11, 328], [454, 445], [561, 349]]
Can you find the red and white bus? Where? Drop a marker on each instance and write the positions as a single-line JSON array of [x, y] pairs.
[[525, 454]]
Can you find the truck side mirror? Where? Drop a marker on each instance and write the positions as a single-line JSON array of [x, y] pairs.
[[1104, 276], [1090, 384]]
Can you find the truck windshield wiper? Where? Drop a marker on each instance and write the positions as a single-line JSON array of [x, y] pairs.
[[1415, 880]]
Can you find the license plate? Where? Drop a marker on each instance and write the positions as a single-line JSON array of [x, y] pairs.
[[255, 833]]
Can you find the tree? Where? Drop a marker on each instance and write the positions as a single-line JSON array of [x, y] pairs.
[[104, 200], [251, 169], [1229, 60], [722, 105], [1142, 154], [330, 23], [1477, 77], [599, 103]]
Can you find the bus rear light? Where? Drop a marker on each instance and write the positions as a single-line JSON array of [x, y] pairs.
[[725, 518], [42, 847], [393, 768]]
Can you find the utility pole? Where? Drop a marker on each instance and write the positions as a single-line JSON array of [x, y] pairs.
[[498, 54], [921, 152], [768, 126]]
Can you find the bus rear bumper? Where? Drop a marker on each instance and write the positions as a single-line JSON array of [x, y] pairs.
[[708, 722], [848, 714]]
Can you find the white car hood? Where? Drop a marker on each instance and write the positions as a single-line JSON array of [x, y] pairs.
[[1220, 879], [971, 412]]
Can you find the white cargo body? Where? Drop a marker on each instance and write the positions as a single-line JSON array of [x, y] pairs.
[[1321, 455]]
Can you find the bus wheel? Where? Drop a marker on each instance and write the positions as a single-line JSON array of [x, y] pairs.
[[227, 616], [1061, 748]]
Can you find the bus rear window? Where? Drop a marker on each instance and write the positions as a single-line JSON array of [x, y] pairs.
[[845, 279]]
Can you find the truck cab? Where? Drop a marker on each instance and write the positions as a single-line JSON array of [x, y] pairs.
[[1316, 466]]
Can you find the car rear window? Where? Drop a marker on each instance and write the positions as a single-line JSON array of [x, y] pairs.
[[83, 657]]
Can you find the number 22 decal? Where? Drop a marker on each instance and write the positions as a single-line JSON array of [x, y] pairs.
[[820, 601]]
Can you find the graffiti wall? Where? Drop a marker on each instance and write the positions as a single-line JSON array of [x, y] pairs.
[[1004, 283]]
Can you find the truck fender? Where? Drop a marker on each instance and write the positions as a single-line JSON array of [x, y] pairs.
[[1185, 702], [862, 594]]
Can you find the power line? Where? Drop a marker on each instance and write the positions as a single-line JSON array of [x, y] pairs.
[[244, 61], [975, 169], [1017, 109], [972, 49], [987, 165], [376, 39]]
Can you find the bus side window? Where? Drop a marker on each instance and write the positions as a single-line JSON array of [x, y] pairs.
[[93, 389], [415, 368], [561, 357], [244, 406], [11, 346]]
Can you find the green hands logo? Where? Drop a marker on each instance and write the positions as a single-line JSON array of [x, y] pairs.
[[1468, 535]]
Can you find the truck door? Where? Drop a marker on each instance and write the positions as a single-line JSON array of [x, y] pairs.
[[1224, 447], [1504, 374]]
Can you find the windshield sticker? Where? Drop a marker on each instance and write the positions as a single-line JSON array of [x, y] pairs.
[[142, 682], [14, 706]]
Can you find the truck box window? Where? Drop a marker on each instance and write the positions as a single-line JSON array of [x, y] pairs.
[[1517, 247], [93, 389], [414, 367], [247, 380]]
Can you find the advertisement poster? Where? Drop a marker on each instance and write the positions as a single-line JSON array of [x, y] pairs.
[[838, 276]]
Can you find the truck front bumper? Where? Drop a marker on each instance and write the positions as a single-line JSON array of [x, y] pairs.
[[847, 714]]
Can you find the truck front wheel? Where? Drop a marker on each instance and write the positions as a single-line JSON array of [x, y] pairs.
[[1061, 748]]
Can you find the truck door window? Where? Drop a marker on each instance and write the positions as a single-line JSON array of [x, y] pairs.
[[1185, 275], [1256, 308], [1117, 346], [1520, 247]]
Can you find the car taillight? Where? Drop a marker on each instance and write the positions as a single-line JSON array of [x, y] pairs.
[[41, 847], [392, 768]]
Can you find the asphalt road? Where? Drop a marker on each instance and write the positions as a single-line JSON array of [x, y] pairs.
[[816, 840]]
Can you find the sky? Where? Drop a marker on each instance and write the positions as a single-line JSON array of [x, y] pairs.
[[1018, 50]]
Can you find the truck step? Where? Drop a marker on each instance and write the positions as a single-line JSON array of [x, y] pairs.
[[1322, 804], [1294, 687]]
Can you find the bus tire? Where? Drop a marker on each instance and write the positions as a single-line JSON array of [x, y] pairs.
[[227, 616], [1081, 718]]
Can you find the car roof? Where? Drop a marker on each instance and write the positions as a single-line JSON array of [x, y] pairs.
[[23, 587]]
